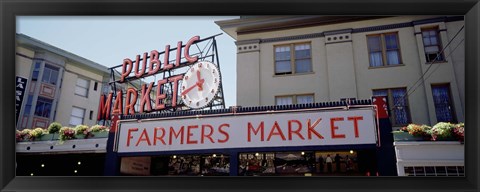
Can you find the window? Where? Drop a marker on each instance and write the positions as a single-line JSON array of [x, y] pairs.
[[293, 58], [443, 103], [36, 70], [43, 107], [82, 87], [397, 104], [77, 115], [299, 99], [95, 86], [91, 115], [50, 75], [432, 45], [383, 49], [284, 100], [28, 106]]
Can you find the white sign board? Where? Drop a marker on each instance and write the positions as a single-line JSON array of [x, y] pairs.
[[312, 128]]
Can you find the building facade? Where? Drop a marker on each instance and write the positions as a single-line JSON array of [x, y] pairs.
[[306, 59], [60, 86], [57, 86]]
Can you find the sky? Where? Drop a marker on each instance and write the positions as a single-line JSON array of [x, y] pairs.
[[107, 40]]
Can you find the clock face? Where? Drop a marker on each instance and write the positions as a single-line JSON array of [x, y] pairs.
[[200, 84]]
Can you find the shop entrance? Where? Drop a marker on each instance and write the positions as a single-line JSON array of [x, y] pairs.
[[276, 163], [306, 163]]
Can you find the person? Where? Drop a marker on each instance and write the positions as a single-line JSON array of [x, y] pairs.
[[348, 163], [329, 161], [337, 162], [320, 163]]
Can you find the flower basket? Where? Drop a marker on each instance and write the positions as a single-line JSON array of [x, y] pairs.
[[82, 131], [442, 131], [99, 131], [80, 136], [21, 136], [101, 134], [54, 127], [46, 137], [56, 136], [66, 133], [405, 136], [35, 134]]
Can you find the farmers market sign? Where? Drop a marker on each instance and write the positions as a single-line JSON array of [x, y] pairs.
[[307, 128]]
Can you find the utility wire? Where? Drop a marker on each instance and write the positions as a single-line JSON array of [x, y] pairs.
[[430, 74], [408, 93]]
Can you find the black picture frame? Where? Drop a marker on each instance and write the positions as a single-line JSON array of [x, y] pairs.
[[9, 9]]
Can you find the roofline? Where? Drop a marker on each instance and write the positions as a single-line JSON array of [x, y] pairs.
[[35, 43], [235, 27]]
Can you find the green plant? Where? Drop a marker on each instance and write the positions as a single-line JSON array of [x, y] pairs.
[[98, 128], [459, 131], [36, 133], [419, 130], [66, 133], [442, 130], [439, 131], [82, 129], [54, 127], [19, 135]]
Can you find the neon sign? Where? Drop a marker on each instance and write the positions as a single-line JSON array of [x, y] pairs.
[[132, 70]]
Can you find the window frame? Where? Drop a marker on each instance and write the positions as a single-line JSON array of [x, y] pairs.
[[36, 70], [71, 115], [28, 105], [384, 50], [50, 69], [450, 101], [439, 44], [41, 101], [391, 105], [294, 97], [86, 88], [292, 58]]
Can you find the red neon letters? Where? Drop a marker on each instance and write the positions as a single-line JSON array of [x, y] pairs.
[[139, 66]]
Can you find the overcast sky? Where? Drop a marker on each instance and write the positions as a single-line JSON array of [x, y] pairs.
[[108, 40]]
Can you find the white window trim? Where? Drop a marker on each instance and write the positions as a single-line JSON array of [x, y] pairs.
[[71, 115], [86, 88]]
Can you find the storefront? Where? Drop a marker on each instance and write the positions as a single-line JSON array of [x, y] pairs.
[[322, 139], [78, 157]]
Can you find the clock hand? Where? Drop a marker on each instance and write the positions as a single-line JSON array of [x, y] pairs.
[[189, 89], [198, 75], [200, 84]]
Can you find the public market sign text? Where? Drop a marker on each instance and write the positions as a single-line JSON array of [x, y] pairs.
[[141, 70]]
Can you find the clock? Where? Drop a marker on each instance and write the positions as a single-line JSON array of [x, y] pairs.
[[200, 84]]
